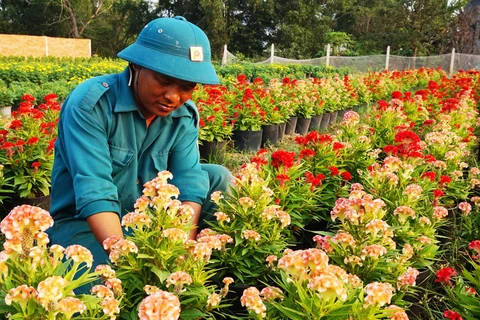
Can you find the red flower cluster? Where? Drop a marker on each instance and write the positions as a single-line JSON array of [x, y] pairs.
[[445, 275], [450, 314]]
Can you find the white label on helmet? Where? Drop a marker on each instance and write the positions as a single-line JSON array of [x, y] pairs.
[[196, 53]]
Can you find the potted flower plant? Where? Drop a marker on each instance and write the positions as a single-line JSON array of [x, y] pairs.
[[215, 127], [257, 226], [247, 116], [26, 144]]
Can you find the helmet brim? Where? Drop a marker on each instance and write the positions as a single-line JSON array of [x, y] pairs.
[[174, 66]]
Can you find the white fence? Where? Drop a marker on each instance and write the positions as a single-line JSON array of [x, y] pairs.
[[451, 62]]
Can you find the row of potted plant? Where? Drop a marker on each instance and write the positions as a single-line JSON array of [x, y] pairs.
[[382, 185], [251, 105]]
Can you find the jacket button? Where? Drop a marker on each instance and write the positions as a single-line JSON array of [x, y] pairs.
[[138, 181], [105, 84]]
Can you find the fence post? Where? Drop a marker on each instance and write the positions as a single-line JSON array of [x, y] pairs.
[[272, 55], [224, 57], [327, 61], [452, 62], [387, 59]]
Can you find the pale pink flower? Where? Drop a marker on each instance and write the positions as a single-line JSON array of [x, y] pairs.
[[375, 226], [106, 271], [294, 264], [216, 197], [213, 241], [353, 260], [351, 118], [408, 278], [378, 293], [316, 259], [271, 259], [354, 281], [50, 291], [41, 238], [213, 300], [222, 217], [202, 251], [111, 307], [328, 285], [79, 254], [122, 248], [271, 293], [323, 242], [136, 220], [102, 291], [21, 295], [404, 212], [159, 305], [373, 251], [407, 251], [283, 217], [246, 203], [252, 301], [251, 235], [345, 239], [424, 221], [475, 200], [70, 305], [175, 234], [413, 191], [397, 313], [115, 285], [424, 240], [149, 289], [178, 280], [475, 171], [465, 207], [440, 212]]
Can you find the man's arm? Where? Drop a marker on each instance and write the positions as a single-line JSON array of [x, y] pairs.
[[197, 209], [105, 225]]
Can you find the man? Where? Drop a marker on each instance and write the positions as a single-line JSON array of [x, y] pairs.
[[116, 132]]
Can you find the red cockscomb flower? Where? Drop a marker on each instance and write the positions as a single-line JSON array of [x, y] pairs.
[[450, 314], [444, 275], [334, 170], [282, 157], [346, 175]]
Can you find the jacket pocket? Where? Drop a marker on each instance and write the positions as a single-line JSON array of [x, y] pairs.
[[121, 159]]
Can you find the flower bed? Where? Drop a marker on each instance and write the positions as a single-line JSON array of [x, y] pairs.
[[387, 188]]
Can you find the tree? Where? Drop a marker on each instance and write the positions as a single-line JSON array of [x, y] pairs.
[[301, 27]]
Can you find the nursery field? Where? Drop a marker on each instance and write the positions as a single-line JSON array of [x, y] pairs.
[[372, 214]]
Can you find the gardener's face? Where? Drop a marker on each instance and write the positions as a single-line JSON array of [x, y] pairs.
[[157, 94]]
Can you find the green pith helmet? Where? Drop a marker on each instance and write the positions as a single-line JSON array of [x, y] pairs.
[[173, 47]]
